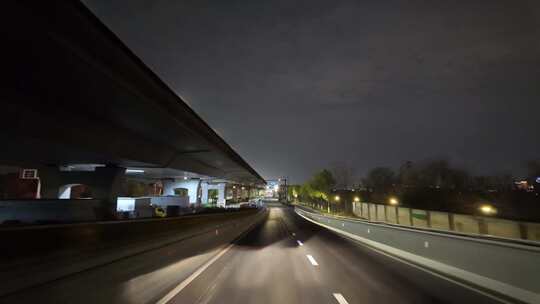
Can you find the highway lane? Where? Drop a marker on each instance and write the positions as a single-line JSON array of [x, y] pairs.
[[285, 259], [290, 260]]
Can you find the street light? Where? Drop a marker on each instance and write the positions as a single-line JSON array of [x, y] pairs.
[[336, 198], [356, 199], [393, 201], [488, 209]]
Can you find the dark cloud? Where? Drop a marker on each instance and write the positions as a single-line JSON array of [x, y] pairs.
[[297, 85]]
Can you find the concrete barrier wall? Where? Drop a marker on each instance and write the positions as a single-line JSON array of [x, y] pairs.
[[365, 210], [502, 228], [45, 253], [391, 216], [372, 212], [504, 269], [357, 209], [53, 210], [419, 218], [170, 200], [439, 220], [404, 216], [40, 240], [381, 213], [462, 223], [532, 231], [466, 223]]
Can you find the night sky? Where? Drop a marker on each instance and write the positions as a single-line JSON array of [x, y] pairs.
[[296, 86]]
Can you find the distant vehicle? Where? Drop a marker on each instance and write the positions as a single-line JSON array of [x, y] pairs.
[[248, 205], [160, 212]]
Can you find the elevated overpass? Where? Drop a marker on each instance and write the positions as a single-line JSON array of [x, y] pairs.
[[73, 93]]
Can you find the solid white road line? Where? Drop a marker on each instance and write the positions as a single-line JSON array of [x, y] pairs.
[[339, 297], [312, 260], [299, 243], [192, 277], [437, 269]]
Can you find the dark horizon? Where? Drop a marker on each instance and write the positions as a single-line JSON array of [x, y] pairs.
[[367, 84]]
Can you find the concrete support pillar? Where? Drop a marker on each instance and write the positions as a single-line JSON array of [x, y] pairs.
[[192, 186], [221, 195], [199, 193], [220, 187], [204, 193], [65, 191], [105, 183], [235, 191], [51, 182]]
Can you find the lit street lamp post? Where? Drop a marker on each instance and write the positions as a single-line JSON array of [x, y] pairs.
[[336, 199], [487, 209]]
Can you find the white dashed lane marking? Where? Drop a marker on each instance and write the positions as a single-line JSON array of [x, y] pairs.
[[312, 260], [340, 298]]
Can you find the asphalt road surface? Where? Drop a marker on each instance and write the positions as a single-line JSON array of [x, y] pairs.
[[290, 260], [285, 259]]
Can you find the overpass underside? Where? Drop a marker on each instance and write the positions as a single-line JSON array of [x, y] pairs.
[[73, 94]]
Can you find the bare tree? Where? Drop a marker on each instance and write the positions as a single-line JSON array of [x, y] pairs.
[[344, 175], [380, 179], [533, 169]]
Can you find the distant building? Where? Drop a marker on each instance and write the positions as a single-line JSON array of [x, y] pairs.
[[24, 184]]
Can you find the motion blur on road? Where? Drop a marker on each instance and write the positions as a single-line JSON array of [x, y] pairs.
[[282, 259], [350, 152]]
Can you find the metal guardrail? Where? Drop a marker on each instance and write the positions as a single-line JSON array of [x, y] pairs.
[[504, 270]]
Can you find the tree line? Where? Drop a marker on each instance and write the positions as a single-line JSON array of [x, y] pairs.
[[434, 185]]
